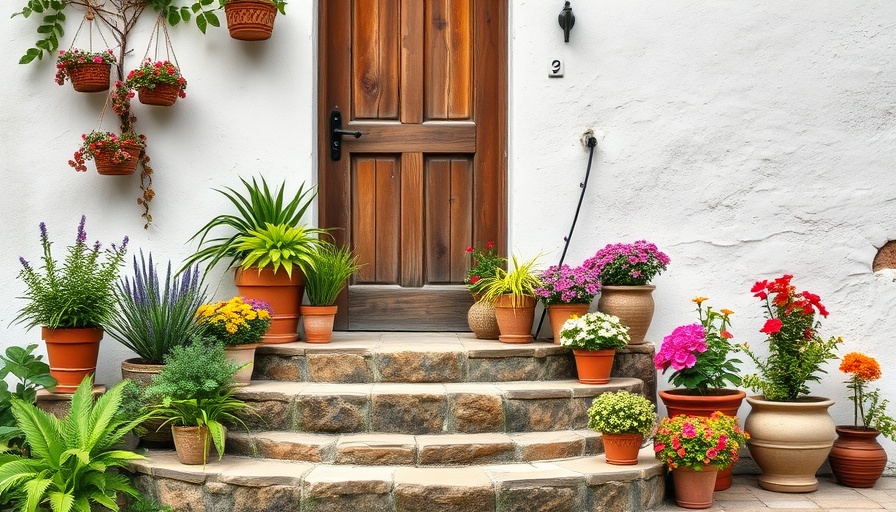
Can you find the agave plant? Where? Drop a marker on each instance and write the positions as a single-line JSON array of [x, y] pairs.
[[278, 245], [73, 458]]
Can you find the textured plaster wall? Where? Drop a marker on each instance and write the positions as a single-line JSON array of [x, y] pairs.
[[746, 139]]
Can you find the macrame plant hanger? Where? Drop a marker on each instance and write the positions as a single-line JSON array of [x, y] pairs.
[[161, 29], [87, 76]]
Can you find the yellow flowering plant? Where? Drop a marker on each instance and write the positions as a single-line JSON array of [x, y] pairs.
[[622, 412], [237, 321]]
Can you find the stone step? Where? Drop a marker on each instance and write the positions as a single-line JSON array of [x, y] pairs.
[[422, 450], [238, 484], [430, 408]]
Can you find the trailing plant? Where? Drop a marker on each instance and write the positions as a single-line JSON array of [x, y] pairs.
[[31, 373], [566, 285], [622, 412], [150, 74], [237, 321], [695, 441], [75, 57], [153, 317], [278, 245], [796, 351], [331, 269], [97, 142], [484, 262], [256, 208], [869, 409], [594, 331], [633, 264], [77, 293], [700, 353], [73, 459], [520, 282]]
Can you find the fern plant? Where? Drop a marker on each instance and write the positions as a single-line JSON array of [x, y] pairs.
[[327, 276], [73, 458]]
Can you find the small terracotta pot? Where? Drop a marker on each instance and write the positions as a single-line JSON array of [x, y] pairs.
[[250, 20], [515, 318], [318, 323], [244, 357], [694, 488], [857, 459], [90, 76], [192, 444], [594, 366], [622, 449], [560, 313], [72, 355], [163, 95]]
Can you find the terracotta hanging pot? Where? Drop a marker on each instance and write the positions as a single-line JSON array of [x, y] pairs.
[[726, 401], [318, 323], [108, 163], [560, 313], [632, 304], [594, 366], [694, 488], [163, 95], [482, 321], [72, 355], [244, 357], [90, 76], [282, 292], [789, 441], [515, 318], [857, 459], [622, 449], [192, 444], [250, 20]]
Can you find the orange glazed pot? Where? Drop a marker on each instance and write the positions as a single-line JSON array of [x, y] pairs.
[[72, 355], [282, 292], [594, 366]]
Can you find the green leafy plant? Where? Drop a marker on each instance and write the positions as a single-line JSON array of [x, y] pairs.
[[330, 271], [80, 292], [520, 282], [869, 409], [150, 74], [31, 373], [76, 57], [237, 321], [484, 262], [151, 318], [594, 331], [695, 441], [256, 208], [148, 504], [278, 245], [73, 459], [700, 353], [622, 412]]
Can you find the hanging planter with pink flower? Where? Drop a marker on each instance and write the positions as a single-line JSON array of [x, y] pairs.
[[87, 71], [114, 154], [157, 83]]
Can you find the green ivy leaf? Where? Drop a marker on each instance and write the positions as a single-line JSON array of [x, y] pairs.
[[173, 17], [185, 14], [30, 55], [196, 7], [201, 23], [212, 19]]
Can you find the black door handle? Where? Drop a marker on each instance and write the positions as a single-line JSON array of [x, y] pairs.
[[336, 133]]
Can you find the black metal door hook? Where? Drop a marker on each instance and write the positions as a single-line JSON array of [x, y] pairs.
[[336, 133]]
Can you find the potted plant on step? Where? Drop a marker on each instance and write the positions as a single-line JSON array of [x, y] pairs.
[[88, 71], [239, 325], [157, 83], [700, 355], [694, 448], [484, 263], [594, 338], [324, 279], [857, 459], [623, 419], [513, 295], [792, 433], [252, 20], [567, 291], [194, 393], [71, 301], [625, 272], [275, 282], [115, 155]]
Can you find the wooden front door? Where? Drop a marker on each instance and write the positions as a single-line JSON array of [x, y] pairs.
[[425, 82]]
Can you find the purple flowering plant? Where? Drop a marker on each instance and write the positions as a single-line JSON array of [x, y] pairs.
[[700, 352], [567, 285], [79, 292], [633, 264]]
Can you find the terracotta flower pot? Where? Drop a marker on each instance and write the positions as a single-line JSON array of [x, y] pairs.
[[282, 292], [244, 357], [594, 366], [90, 76], [693, 488], [108, 164], [250, 20], [318, 323], [632, 304], [857, 459], [192, 444], [163, 95], [515, 319], [622, 449], [560, 313], [72, 355]]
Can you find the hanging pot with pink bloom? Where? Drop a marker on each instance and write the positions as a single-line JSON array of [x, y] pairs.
[[87, 71], [114, 154], [157, 83]]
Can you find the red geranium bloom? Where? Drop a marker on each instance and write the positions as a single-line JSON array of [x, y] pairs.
[[772, 326]]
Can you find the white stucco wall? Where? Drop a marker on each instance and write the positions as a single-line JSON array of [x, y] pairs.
[[746, 139]]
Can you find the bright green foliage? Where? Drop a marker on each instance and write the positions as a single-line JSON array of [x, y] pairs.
[[32, 373], [72, 459], [519, 282], [50, 30], [278, 245], [622, 412], [331, 269]]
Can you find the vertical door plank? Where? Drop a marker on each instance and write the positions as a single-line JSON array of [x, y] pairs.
[[461, 216], [411, 62], [436, 60], [438, 207], [460, 62], [412, 219], [388, 219], [375, 62], [364, 218]]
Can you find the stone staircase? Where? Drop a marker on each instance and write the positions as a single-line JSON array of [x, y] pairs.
[[416, 421]]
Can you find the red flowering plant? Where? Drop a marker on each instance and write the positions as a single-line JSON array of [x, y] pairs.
[[796, 351], [484, 262], [634, 264], [566, 285], [868, 406], [696, 441], [150, 73], [125, 147], [700, 352], [70, 58]]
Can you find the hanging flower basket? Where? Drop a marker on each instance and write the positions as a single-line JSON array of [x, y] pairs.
[[87, 71], [163, 95], [250, 20], [157, 83], [118, 162], [114, 154]]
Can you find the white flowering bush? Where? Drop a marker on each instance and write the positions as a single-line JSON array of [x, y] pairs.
[[621, 412], [594, 331]]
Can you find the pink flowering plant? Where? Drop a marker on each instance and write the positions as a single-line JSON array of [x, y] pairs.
[[699, 353], [150, 74], [125, 147], [566, 285], [796, 350], [696, 441], [71, 58], [633, 264], [484, 263]]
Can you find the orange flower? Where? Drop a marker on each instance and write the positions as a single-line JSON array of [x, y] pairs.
[[863, 367], [726, 312], [699, 300]]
